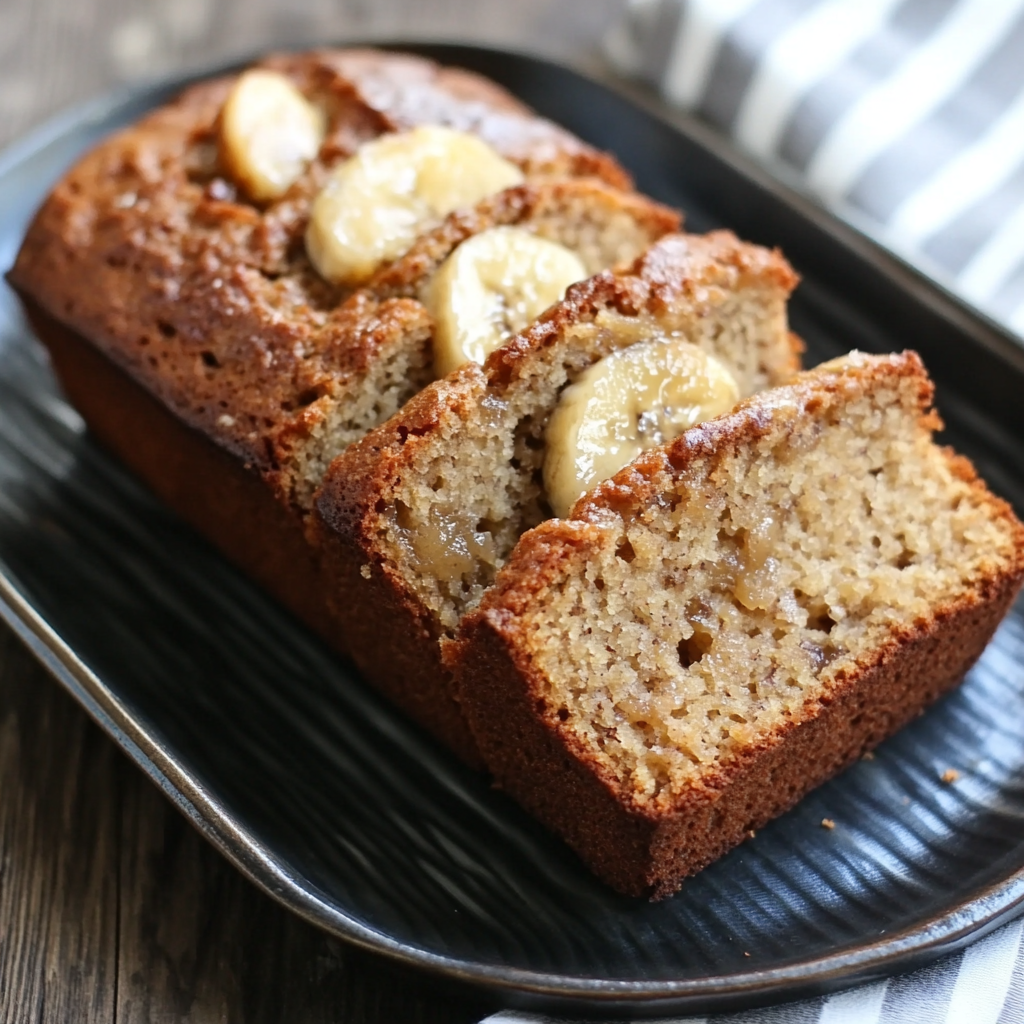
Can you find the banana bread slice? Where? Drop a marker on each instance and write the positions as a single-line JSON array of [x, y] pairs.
[[416, 518], [734, 618]]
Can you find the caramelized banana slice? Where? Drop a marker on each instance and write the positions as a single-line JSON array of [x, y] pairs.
[[631, 400], [492, 286], [376, 203], [269, 131]]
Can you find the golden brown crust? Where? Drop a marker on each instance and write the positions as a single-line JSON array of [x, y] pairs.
[[410, 90], [208, 488]]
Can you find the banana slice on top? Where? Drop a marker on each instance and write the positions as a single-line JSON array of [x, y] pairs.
[[629, 401], [269, 131], [491, 287], [376, 203]]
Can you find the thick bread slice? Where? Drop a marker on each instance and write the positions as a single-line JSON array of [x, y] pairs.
[[146, 249], [734, 618], [416, 518]]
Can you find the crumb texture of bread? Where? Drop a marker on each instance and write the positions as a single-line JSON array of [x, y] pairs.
[[762, 576], [703, 607], [445, 490]]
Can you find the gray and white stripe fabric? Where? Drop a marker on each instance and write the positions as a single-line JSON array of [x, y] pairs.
[[982, 985], [904, 116]]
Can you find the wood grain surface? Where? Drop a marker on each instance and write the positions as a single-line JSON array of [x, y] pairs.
[[111, 907]]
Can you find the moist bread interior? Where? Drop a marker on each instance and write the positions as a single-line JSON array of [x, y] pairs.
[[478, 487], [710, 614]]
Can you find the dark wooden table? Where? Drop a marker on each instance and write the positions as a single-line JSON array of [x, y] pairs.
[[111, 907]]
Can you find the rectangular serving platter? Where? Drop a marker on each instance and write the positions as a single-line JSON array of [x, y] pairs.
[[330, 801]]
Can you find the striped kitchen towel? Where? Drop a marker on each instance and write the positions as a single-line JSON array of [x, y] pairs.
[[983, 985], [906, 117]]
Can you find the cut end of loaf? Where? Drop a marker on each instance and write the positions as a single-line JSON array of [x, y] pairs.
[[725, 589]]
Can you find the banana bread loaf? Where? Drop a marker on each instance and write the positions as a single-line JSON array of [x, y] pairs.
[[242, 285], [734, 618]]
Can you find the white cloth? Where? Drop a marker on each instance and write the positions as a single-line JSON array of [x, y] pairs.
[[906, 117]]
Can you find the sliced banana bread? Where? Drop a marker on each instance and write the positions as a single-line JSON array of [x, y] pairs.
[[416, 518], [379, 347], [734, 618]]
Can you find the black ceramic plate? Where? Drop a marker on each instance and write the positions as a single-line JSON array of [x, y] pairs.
[[345, 813]]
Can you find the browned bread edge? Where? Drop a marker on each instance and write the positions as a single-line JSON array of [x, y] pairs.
[[642, 853], [208, 487]]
